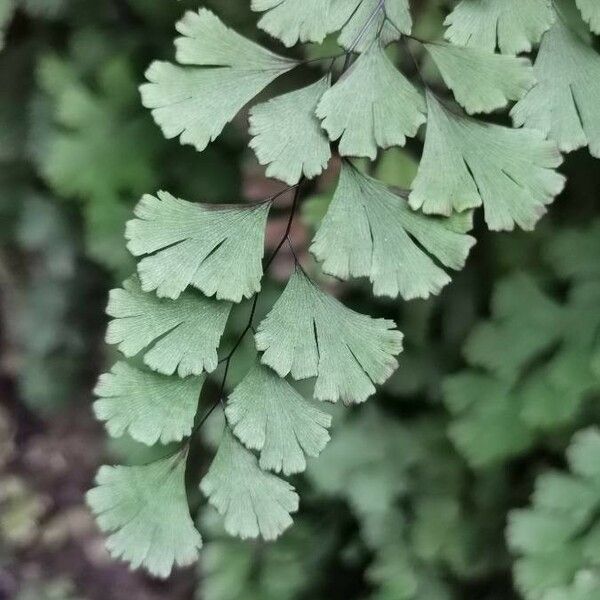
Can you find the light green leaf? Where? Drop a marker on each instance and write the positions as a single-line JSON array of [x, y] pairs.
[[147, 406], [512, 25], [361, 21], [535, 574], [556, 491], [205, 40], [179, 335], [145, 509], [196, 103], [266, 413], [308, 333], [371, 232], [367, 463], [586, 586], [555, 392], [487, 428], [539, 532], [287, 135], [525, 320], [103, 148], [215, 248], [466, 163], [564, 103], [590, 11], [371, 105], [584, 454], [373, 19], [309, 21], [557, 535], [252, 501], [481, 81]]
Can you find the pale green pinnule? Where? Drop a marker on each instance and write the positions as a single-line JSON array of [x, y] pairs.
[[180, 335], [361, 21], [564, 103], [309, 21], [196, 102], [145, 510], [149, 407], [206, 41], [311, 334], [267, 414], [253, 502], [215, 248], [371, 105], [467, 163], [513, 26], [481, 81], [288, 136], [369, 231]]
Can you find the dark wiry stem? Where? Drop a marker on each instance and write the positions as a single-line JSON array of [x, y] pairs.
[[250, 324]]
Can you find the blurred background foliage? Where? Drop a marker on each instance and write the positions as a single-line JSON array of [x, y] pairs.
[[412, 497]]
